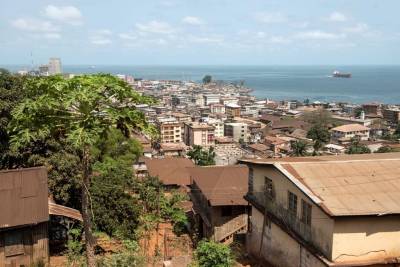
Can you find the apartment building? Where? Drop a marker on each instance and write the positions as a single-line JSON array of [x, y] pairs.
[[349, 131], [217, 108], [392, 115], [237, 130], [201, 134], [232, 110], [325, 211], [170, 130], [210, 99]]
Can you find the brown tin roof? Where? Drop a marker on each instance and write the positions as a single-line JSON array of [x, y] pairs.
[[23, 197], [222, 185]]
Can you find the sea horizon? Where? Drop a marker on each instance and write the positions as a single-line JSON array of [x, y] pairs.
[[369, 83]]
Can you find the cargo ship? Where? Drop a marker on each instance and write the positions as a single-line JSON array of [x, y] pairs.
[[338, 74]]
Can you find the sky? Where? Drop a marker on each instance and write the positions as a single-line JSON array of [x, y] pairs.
[[206, 32]]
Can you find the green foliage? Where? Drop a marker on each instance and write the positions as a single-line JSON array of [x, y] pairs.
[[74, 245], [397, 131], [320, 117], [202, 157], [128, 257], [357, 148], [207, 79], [384, 149], [319, 133], [212, 254], [299, 148]]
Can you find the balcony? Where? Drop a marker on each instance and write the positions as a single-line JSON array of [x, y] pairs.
[[231, 227]]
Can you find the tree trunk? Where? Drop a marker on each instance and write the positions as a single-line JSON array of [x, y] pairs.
[[86, 210]]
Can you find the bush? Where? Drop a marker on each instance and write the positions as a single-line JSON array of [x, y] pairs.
[[212, 254]]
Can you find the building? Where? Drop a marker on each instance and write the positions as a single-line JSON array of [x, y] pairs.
[[237, 130], [372, 109], [217, 108], [24, 221], [173, 150], [210, 99], [392, 115], [44, 70], [170, 171], [232, 110], [170, 130], [200, 134], [217, 195], [348, 131], [54, 66], [218, 126], [325, 211]]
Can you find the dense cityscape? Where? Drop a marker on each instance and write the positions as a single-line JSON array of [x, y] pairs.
[[174, 133]]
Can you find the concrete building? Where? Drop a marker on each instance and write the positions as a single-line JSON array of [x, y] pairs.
[[217, 194], [325, 211], [232, 110], [392, 115], [372, 109], [217, 108], [200, 134], [218, 126], [54, 66], [170, 130], [210, 99], [237, 130], [348, 131]]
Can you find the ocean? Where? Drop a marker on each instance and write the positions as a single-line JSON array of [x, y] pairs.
[[368, 83]]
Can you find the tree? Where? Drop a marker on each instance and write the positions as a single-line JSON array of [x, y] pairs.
[[299, 148], [202, 157], [83, 110], [397, 131], [207, 79], [212, 254], [320, 117], [357, 148], [319, 133]]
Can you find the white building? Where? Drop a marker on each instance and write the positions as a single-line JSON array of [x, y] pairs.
[[237, 130], [54, 66], [210, 99], [349, 131]]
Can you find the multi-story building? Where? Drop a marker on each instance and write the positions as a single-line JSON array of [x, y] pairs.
[[54, 66], [348, 131], [200, 134], [229, 100], [392, 115], [210, 99], [218, 201], [232, 110], [372, 109], [218, 126], [237, 130], [170, 130], [217, 108], [325, 211]]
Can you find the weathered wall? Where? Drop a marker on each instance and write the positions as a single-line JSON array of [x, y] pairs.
[[278, 248], [33, 245], [321, 224], [366, 238]]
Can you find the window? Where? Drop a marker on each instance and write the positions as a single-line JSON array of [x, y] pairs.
[[251, 177], [269, 188], [226, 211], [306, 212], [292, 203]]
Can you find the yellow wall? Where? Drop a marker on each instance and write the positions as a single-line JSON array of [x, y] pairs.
[[321, 224], [366, 238]]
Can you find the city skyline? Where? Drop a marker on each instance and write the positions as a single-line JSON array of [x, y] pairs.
[[207, 33]]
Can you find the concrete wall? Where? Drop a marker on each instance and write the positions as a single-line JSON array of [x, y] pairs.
[[366, 238], [278, 248], [321, 224]]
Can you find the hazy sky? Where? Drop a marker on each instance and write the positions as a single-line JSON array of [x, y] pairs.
[[207, 32]]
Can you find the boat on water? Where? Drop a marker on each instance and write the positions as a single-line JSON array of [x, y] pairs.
[[338, 74]]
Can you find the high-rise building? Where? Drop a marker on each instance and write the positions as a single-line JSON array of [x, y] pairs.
[[55, 66]]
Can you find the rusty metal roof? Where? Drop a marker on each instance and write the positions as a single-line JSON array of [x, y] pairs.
[[170, 171], [23, 197], [55, 209], [222, 185]]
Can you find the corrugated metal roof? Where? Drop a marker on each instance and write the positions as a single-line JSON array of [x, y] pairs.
[[352, 187], [170, 171], [55, 209], [222, 185], [23, 197]]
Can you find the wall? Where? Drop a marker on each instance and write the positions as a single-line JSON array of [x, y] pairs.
[[278, 248], [34, 246], [321, 224], [366, 238]]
